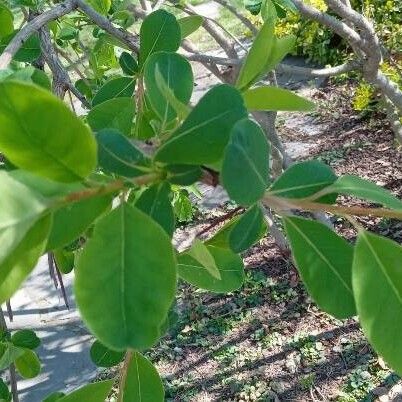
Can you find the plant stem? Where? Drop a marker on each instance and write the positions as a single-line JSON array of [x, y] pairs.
[[123, 375]]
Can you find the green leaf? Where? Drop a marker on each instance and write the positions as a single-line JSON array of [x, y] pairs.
[[245, 169], [377, 287], [247, 229], [155, 202], [39, 133], [182, 206], [281, 47], [117, 155], [32, 75], [28, 52], [176, 73], [104, 357], [303, 179], [361, 188], [25, 338], [64, 260], [230, 267], [28, 364], [142, 382], [183, 175], [9, 354], [18, 265], [324, 261], [20, 208], [275, 99], [5, 394], [115, 113], [126, 302], [101, 6], [189, 24], [53, 397], [258, 56], [200, 252], [160, 31], [128, 64], [6, 21], [96, 392], [202, 137], [71, 221], [121, 87]]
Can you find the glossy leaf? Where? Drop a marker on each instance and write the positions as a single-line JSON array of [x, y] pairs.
[[121, 87], [96, 392], [28, 52], [203, 136], [275, 99], [177, 74], [28, 364], [71, 221], [324, 261], [377, 286], [25, 338], [128, 64], [230, 268], [126, 302], [155, 202], [142, 382], [257, 56], [114, 113], [160, 31], [247, 230], [117, 155], [245, 169], [303, 179], [105, 357], [19, 264], [189, 24], [39, 133]]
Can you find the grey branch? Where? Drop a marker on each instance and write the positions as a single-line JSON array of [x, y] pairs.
[[33, 26]]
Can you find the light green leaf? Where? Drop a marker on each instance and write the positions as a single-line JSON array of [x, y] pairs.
[[168, 73], [202, 137], [324, 261], [160, 31], [230, 267], [39, 133], [64, 260], [155, 202], [200, 252], [275, 99], [257, 56], [247, 229], [281, 47], [96, 392], [105, 357], [190, 24], [121, 87], [6, 21], [127, 301], [115, 113], [303, 179], [9, 353], [18, 265], [377, 285], [101, 6], [143, 383], [245, 169], [28, 364], [55, 396]]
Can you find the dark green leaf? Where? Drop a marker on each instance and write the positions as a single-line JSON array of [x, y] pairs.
[[202, 137], [126, 302], [142, 382], [324, 261], [190, 24], [275, 99], [160, 31], [64, 260], [155, 202], [39, 133], [230, 268], [5, 394], [96, 392], [28, 364], [55, 396], [25, 338], [115, 113], [245, 169], [117, 155], [183, 175], [128, 64], [121, 87], [104, 357], [377, 285]]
